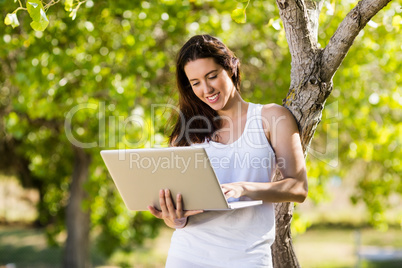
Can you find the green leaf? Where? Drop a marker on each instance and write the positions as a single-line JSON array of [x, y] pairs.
[[68, 5], [239, 15], [11, 19], [242, 1], [33, 8], [73, 14], [38, 15], [41, 24]]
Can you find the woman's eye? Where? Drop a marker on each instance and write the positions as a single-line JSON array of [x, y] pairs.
[[213, 77], [195, 84]]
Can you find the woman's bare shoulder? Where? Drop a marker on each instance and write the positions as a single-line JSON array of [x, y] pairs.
[[273, 109], [275, 115]]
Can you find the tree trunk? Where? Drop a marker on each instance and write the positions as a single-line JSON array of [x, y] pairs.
[[76, 254], [306, 104], [311, 84]]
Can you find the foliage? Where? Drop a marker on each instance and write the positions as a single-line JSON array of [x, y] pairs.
[[39, 22], [37, 12], [239, 14], [102, 73], [364, 119]]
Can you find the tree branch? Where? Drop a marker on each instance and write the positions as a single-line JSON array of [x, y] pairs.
[[300, 20], [313, 12], [343, 38]]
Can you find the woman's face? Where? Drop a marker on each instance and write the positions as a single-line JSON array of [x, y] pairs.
[[210, 82]]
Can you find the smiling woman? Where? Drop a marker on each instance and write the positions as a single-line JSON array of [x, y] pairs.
[[246, 143]]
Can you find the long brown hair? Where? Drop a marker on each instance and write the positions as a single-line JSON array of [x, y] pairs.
[[196, 121]]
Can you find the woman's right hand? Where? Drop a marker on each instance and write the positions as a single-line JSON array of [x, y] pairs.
[[173, 217]]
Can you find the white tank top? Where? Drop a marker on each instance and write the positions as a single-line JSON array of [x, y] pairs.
[[236, 238]]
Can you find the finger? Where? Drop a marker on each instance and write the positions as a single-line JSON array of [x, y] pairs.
[[155, 212], [162, 202], [179, 206], [188, 213], [169, 203], [229, 193], [225, 189]]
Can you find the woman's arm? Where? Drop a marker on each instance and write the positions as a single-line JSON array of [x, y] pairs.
[[282, 132]]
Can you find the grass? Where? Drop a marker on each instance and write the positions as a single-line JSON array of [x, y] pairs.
[[318, 247], [337, 248], [382, 264], [27, 248]]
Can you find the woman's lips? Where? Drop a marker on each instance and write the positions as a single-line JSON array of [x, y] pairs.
[[214, 98]]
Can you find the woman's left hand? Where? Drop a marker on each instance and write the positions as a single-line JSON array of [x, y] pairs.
[[235, 189]]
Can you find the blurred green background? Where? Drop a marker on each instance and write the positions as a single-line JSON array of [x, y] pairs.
[[108, 73]]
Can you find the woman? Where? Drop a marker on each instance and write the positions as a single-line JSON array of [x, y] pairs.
[[248, 142]]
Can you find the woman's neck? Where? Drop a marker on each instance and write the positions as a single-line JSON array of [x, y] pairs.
[[235, 107]]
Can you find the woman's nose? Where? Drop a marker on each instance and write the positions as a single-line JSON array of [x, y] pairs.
[[208, 89]]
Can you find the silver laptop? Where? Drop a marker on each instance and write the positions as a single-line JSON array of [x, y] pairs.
[[139, 174]]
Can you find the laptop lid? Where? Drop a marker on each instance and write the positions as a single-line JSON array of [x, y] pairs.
[[139, 174]]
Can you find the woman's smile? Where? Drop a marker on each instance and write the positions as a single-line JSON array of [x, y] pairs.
[[214, 98]]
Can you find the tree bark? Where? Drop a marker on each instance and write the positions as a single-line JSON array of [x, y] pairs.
[[76, 254], [311, 84]]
